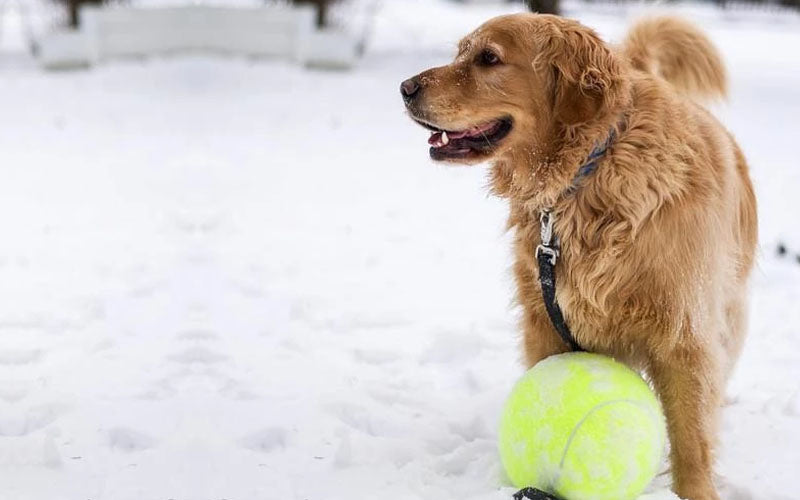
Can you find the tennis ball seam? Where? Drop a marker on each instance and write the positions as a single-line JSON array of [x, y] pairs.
[[575, 430]]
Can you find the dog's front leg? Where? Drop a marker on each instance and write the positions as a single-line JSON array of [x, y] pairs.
[[540, 339], [689, 385]]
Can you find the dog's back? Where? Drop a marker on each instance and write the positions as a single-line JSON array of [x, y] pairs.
[[679, 53], [716, 204]]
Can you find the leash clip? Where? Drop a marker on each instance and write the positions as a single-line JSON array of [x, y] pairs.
[[546, 221], [549, 251]]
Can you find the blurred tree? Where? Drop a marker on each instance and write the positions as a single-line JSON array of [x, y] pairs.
[[73, 7], [543, 6], [322, 10]]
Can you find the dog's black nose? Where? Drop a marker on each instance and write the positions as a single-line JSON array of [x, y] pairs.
[[409, 88]]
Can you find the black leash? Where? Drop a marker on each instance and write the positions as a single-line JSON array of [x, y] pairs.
[[547, 254], [533, 494]]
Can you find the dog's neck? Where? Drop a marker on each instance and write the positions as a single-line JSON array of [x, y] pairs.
[[535, 179], [538, 176]]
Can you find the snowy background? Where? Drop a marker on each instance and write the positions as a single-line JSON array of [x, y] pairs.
[[232, 279]]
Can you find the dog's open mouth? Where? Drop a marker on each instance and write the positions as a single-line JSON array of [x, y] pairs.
[[470, 143]]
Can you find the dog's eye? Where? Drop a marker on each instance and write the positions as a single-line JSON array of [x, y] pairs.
[[488, 58]]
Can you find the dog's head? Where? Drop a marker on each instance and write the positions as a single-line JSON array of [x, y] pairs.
[[517, 84]]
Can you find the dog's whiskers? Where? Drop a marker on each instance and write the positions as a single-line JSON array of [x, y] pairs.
[[488, 142]]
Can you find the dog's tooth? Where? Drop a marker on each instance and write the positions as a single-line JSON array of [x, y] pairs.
[[445, 139]]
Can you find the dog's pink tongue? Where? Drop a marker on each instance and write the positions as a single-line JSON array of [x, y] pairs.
[[435, 138]]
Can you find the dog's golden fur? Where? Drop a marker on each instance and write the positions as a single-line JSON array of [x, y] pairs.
[[658, 243]]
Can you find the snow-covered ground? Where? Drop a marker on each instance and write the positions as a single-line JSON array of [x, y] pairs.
[[223, 278]]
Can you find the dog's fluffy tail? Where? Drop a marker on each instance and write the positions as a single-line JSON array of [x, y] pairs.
[[678, 52]]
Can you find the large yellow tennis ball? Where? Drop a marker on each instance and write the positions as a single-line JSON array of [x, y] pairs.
[[582, 426]]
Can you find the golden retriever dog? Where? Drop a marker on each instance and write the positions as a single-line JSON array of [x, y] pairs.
[[656, 243]]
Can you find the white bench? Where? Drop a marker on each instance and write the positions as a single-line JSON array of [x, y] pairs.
[[271, 31], [65, 50]]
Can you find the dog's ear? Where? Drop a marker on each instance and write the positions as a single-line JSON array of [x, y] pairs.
[[587, 74]]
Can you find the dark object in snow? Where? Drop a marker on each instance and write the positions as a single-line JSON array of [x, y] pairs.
[[74, 6], [781, 249], [543, 6], [533, 494], [322, 10], [797, 258]]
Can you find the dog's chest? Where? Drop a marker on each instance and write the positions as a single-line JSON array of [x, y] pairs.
[[586, 278]]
